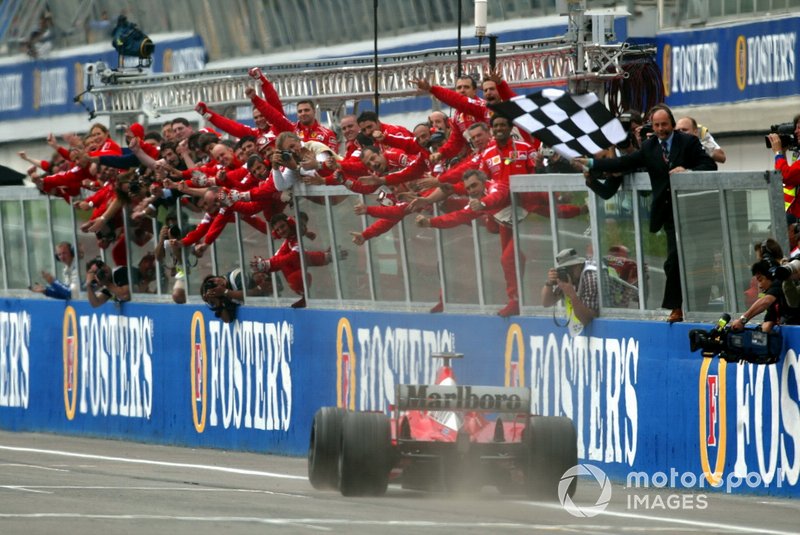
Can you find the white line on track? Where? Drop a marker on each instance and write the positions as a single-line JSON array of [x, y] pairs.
[[171, 489], [318, 523], [34, 466], [155, 463], [714, 526], [24, 489]]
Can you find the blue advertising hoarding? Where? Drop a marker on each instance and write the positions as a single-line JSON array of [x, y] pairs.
[[640, 401], [755, 60], [46, 87]]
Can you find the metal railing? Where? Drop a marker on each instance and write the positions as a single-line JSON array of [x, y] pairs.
[[720, 215]]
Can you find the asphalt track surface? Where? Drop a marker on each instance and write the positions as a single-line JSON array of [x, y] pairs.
[[63, 484]]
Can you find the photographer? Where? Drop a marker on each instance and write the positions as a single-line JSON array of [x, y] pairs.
[[773, 301], [780, 141], [575, 281], [103, 283]]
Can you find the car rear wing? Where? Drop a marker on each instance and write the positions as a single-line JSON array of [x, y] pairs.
[[462, 398]]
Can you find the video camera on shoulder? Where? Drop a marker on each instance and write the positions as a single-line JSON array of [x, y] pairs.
[[786, 132], [750, 345]]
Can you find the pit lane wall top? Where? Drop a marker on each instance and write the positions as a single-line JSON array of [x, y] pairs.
[[641, 402], [746, 61]]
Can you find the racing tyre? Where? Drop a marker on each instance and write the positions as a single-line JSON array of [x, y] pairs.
[[324, 447], [552, 449], [365, 460]]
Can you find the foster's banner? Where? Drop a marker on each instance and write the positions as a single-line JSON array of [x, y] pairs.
[[641, 403]]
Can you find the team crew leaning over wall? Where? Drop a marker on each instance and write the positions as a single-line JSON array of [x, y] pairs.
[[228, 169]]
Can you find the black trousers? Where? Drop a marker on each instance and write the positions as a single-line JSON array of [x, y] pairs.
[[672, 289]]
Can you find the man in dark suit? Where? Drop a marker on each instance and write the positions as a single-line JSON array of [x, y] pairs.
[[667, 151]]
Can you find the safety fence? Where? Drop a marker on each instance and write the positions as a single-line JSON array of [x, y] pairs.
[[719, 215]]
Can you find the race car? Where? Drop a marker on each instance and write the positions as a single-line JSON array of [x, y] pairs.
[[444, 437]]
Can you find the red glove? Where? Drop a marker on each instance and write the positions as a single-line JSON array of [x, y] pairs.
[[202, 109]]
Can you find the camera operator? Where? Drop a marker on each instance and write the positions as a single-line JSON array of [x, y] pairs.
[[575, 281], [103, 283], [780, 141], [773, 301]]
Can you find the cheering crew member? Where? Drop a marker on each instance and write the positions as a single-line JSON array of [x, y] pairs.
[[487, 197], [287, 258], [307, 127]]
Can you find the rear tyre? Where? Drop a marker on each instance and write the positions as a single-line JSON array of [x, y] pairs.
[[552, 449], [324, 447], [365, 460]]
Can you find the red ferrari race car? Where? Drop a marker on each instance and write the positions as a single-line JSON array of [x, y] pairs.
[[444, 437]]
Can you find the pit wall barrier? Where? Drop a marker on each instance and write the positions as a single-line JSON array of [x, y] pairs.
[[162, 373]]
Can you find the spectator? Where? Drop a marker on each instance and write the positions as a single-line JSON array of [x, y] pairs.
[[224, 294]]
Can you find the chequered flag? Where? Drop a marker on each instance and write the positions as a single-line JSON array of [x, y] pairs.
[[573, 125]]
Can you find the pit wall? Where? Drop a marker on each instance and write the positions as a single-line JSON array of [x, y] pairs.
[[641, 402]]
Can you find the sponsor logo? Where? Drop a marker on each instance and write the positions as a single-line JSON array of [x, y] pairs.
[[693, 67], [515, 360], [713, 418], [247, 378], [741, 63], [107, 365], [10, 92], [15, 336], [51, 87], [770, 58], [372, 361], [199, 372], [604, 496], [70, 353], [767, 416], [592, 381], [345, 366], [425, 397]]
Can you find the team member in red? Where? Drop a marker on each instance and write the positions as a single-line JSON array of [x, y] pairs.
[[487, 197], [307, 126], [287, 258], [262, 129]]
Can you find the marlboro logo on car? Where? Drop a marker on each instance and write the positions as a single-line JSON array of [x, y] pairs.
[[467, 398]]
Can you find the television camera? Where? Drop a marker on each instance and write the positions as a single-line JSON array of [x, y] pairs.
[[750, 345], [786, 132]]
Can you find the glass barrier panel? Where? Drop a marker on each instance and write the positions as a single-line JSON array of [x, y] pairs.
[[40, 252], [197, 267], [460, 274], [385, 255], [496, 245], [423, 261], [226, 248], [748, 220], [14, 243], [88, 242], [699, 225], [319, 275], [535, 237], [142, 257], [352, 269], [617, 239], [573, 228], [654, 253], [255, 243]]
